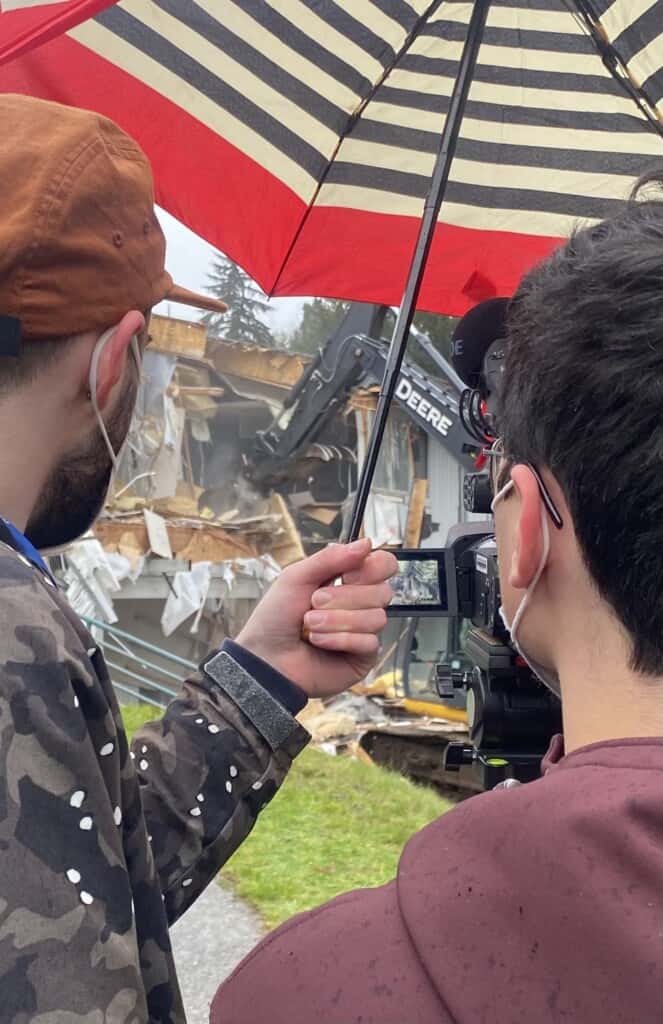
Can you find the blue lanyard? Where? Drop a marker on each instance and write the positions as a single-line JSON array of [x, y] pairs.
[[24, 547]]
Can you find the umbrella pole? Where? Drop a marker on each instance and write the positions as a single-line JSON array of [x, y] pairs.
[[417, 267]]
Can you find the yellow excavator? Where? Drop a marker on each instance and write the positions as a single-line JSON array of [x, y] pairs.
[[419, 724]]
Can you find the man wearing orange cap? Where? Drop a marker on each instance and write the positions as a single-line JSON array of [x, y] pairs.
[[103, 848]]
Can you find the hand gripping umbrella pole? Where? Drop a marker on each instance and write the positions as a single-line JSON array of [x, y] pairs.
[[417, 267]]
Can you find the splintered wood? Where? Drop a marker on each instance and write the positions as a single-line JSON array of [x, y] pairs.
[[265, 365], [320, 513], [188, 543], [286, 546], [193, 539], [415, 514], [192, 388], [178, 336], [364, 399]]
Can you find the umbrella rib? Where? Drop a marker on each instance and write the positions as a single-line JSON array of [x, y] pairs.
[[614, 64], [54, 25], [352, 120]]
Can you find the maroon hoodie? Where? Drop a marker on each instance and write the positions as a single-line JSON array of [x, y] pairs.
[[537, 904]]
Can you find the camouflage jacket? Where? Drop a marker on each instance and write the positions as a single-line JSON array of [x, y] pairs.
[[103, 848]]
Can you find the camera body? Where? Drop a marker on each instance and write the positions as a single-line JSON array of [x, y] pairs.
[[477, 577], [511, 714]]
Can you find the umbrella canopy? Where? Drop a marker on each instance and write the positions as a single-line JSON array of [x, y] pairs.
[[300, 137]]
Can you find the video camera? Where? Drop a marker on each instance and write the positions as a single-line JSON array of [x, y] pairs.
[[511, 714]]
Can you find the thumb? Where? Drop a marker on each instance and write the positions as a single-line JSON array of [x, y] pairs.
[[331, 562]]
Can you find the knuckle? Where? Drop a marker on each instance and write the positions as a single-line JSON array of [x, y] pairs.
[[391, 564]]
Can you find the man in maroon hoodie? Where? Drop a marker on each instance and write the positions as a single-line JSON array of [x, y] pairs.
[[544, 902]]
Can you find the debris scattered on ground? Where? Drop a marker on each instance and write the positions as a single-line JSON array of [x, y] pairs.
[[339, 724]]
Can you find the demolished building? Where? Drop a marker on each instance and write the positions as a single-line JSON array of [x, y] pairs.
[[239, 461]]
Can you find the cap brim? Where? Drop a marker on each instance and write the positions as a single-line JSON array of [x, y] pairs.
[[187, 298]]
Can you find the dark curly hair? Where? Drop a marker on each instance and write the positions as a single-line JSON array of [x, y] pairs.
[[583, 395]]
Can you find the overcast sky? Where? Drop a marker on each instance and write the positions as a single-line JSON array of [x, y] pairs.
[[188, 259]]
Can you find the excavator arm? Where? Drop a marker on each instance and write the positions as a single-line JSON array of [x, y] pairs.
[[353, 356]]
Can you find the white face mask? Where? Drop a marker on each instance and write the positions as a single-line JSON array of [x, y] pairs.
[[94, 366], [546, 675]]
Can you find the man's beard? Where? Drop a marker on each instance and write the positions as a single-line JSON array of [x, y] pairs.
[[75, 493]]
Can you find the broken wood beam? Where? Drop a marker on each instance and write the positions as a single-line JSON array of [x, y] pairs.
[[290, 548], [188, 543], [415, 514], [180, 337]]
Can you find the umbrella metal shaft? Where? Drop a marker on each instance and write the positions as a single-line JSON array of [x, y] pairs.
[[408, 306]]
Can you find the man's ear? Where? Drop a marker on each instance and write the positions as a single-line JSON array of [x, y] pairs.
[[529, 536], [112, 360]]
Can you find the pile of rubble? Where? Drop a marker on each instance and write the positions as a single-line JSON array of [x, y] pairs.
[[180, 490], [182, 523]]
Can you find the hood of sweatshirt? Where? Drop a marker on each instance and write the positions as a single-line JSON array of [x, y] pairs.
[[544, 902]]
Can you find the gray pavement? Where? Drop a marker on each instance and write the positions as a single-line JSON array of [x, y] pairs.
[[208, 942]]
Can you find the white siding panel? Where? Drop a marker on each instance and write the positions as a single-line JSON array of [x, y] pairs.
[[444, 492]]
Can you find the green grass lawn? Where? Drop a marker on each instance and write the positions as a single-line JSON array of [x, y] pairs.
[[336, 824], [135, 715]]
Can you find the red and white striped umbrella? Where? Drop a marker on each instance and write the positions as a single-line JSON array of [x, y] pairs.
[[299, 135], [25, 24]]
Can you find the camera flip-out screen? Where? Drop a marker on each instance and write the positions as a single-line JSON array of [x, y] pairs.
[[420, 587]]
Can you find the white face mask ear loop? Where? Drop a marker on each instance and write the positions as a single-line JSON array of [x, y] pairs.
[[96, 353], [135, 349], [537, 575], [501, 494]]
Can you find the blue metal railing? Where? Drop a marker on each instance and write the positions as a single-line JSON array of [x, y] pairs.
[[143, 677]]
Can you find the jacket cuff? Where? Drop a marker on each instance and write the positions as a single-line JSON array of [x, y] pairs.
[[286, 693], [278, 727]]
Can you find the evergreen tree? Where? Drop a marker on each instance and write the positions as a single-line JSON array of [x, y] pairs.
[[438, 329], [246, 301], [319, 319]]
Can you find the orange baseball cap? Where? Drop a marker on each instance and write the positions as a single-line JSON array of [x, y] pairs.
[[80, 243]]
